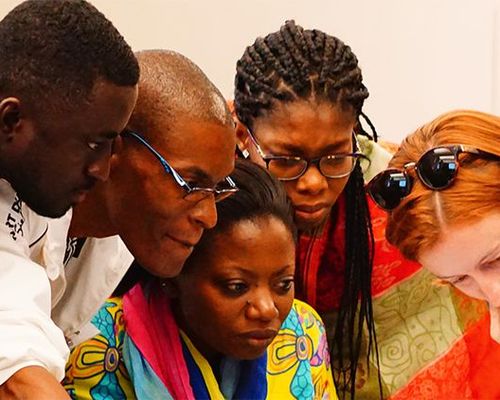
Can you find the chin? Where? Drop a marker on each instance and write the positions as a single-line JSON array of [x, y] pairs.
[[249, 355], [170, 270], [49, 211], [310, 226]]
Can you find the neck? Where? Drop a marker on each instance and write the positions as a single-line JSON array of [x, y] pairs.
[[209, 354], [91, 217]]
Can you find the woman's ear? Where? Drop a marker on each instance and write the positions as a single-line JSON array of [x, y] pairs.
[[242, 139]]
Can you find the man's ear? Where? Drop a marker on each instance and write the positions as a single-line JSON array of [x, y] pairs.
[[116, 151], [10, 118]]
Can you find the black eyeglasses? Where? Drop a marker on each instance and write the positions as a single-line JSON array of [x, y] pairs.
[[289, 168], [436, 168], [193, 193]]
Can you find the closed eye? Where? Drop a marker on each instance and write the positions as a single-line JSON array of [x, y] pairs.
[[97, 145], [458, 280], [94, 145]]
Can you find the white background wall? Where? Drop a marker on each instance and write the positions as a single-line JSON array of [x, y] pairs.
[[419, 57]]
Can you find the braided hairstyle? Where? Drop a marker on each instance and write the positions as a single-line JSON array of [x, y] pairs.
[[296, 64]]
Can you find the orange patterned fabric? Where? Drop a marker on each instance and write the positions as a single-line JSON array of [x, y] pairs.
[[433, 341]]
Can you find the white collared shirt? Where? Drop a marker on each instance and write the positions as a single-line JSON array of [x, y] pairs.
[[41, 301], [30, 260]]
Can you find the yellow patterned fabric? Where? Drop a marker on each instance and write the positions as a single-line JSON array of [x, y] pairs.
[[95, 369], [300, 349], [298, 363]]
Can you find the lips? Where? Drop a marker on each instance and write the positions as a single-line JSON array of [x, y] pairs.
[[87, 186], [184, 242], [261, 334], [306, 208], [79, 195], [81, 192]]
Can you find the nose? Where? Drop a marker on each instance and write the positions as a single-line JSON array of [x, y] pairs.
[[490, 289], [495, 323], [262, 307], [312, 181], [204, 213], [99, 168]]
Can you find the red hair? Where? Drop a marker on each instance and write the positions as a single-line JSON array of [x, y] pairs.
[[418, 222]]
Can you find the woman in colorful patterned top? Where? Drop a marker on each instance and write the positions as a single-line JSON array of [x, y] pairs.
[[299, 98], [227, 328]]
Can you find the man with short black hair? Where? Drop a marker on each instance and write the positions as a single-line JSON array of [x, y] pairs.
[[68, 84]]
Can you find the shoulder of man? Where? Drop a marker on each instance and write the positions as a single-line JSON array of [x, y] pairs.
[[93, 269], [25, 233]]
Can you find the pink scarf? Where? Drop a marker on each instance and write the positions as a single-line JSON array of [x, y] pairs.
[[151, 326]]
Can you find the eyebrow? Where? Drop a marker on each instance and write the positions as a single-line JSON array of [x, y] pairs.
[[282, 270], [296, 150], [250, 272]]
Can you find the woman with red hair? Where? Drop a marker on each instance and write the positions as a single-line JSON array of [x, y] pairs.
[[442, 191]]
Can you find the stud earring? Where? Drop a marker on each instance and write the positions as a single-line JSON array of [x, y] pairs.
[[245, 153]]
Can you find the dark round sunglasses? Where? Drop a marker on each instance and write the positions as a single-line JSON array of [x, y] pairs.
[[437, 169]]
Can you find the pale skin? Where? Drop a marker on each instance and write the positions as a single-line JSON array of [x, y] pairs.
[[468, 257]]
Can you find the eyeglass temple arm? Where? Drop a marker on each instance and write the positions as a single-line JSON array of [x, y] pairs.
[[163, 162], [231, 182], [257, 146]]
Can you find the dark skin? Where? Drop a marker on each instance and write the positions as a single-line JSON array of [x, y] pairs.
[[143, 204], [287, 130], [243, 299], [36, 146], [34, 150], [32, 383]]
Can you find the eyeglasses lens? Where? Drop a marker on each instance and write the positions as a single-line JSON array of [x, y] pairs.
[[286, 168], [437, 168], [199, 194], [337, 166], [389, 188]]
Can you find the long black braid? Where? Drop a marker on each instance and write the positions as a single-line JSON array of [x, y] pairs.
[[294, 64]]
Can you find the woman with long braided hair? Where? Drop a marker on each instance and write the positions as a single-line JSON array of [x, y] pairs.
[[298, 100]]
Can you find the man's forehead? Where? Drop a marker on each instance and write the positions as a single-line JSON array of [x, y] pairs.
[[204, 159]]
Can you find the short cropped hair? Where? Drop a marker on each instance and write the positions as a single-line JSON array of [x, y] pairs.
[[52, 52], [172, 86]]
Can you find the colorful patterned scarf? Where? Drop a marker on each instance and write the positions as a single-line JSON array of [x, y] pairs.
[[433, 341], [147, 334], [180, 372]]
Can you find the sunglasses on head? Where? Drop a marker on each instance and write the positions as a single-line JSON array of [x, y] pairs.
[[436, 169]]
